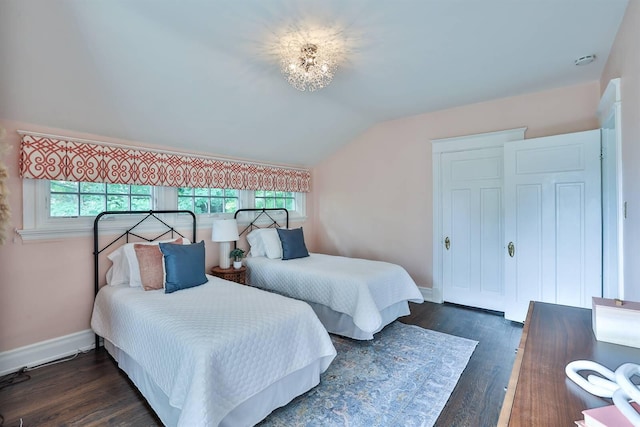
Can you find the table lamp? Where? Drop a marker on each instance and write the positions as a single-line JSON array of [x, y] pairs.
[[224, 231]]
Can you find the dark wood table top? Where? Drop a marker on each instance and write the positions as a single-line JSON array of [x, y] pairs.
[[558, 335]]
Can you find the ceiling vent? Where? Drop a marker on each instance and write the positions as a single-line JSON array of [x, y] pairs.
[[585, 60]]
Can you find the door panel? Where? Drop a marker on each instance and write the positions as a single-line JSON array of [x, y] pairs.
[[553, 215], [462, 239], [528, 245], [569, 230], [472, 220], [491, 240]]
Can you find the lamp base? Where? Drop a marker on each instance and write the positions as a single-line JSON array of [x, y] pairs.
[[225, 261]]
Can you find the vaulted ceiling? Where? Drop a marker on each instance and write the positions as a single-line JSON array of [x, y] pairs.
[[202, 75]]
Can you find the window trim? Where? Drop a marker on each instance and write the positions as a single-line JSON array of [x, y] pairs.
[[37, 225]]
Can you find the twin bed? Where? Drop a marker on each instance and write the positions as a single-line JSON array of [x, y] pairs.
[[219, 353], [213, 354], [355, 298]]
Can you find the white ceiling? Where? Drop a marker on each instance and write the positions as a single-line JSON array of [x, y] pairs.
[[193, 74]]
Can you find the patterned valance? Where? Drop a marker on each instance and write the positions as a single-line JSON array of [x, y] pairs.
[[48, 157]]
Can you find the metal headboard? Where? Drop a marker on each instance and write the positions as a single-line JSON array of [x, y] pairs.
[[131, 231], [264, 219]]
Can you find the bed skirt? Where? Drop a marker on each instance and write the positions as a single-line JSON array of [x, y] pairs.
[[342, 324], [248, 413]]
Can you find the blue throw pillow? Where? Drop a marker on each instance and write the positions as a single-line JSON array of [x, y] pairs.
[[184, 266], [292, 243]]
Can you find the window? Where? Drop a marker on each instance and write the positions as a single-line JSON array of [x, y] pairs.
[[63, 209], [275, 199], [73, 199], [208, 200]]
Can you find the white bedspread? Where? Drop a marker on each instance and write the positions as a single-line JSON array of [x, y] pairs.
[[211, 347], [357, 287]]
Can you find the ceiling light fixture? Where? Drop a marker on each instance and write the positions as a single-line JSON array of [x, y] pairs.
[[308, 66]]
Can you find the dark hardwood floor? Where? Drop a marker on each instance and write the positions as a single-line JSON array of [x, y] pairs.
[[477, 398], [91, 391]]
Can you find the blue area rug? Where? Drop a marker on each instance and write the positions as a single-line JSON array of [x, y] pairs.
[[403, 377]]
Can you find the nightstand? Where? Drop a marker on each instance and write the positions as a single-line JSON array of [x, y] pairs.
[[235, 275]]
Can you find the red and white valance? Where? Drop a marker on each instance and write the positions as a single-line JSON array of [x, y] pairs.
[[48, 157]]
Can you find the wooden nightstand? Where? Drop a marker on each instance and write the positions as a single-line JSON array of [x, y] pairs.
[[232, 274]]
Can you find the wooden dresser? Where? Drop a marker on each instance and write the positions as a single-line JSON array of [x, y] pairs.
[[539, 392]]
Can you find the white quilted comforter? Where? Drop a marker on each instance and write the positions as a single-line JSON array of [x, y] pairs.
[[211, 347], [358, 287]]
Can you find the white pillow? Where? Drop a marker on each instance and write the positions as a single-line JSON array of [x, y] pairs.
[[255, 241], [125, 268], [118, 273], [271, 243], [265, 242]]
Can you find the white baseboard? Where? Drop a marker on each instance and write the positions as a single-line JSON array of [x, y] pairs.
[[45, 351], [429, 295]]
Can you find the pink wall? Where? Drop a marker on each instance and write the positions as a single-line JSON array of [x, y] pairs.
[[370, 199], [624, 62], [373, 198], [46, 287]]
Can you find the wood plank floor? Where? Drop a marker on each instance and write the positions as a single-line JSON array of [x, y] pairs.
[[91, 391]]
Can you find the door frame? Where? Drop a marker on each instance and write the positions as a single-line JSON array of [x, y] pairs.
[[609, 110], [447, 145]]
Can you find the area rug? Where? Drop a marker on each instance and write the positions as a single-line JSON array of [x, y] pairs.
[[403, 377]]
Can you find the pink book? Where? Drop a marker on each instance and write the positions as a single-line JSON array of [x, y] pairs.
[[607, 416]]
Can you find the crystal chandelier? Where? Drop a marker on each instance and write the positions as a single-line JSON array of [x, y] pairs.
[[309, 66]]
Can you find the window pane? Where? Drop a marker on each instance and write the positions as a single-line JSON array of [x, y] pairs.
[[64, 186], [231, 205], [259, 193], [201, 205], [64, 205], [141, 189], [91, 187], [291, 204], [270, 203], [117, 189], [259, 203], [185, 203], [216, 205], [269, 193], [279, 203], [91, 204], [140, 203], [117, 203], [231, 193], [185, 191], [217, 192], [201, 191]]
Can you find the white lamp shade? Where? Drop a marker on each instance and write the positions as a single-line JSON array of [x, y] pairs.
[[224, 230]]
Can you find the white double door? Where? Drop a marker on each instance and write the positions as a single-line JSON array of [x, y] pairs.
[[523, 222]]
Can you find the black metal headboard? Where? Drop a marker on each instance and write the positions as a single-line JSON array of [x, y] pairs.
[[264, 219], [131, 231]]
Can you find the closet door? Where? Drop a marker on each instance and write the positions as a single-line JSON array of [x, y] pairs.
[[472, 228], [552, 221]]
